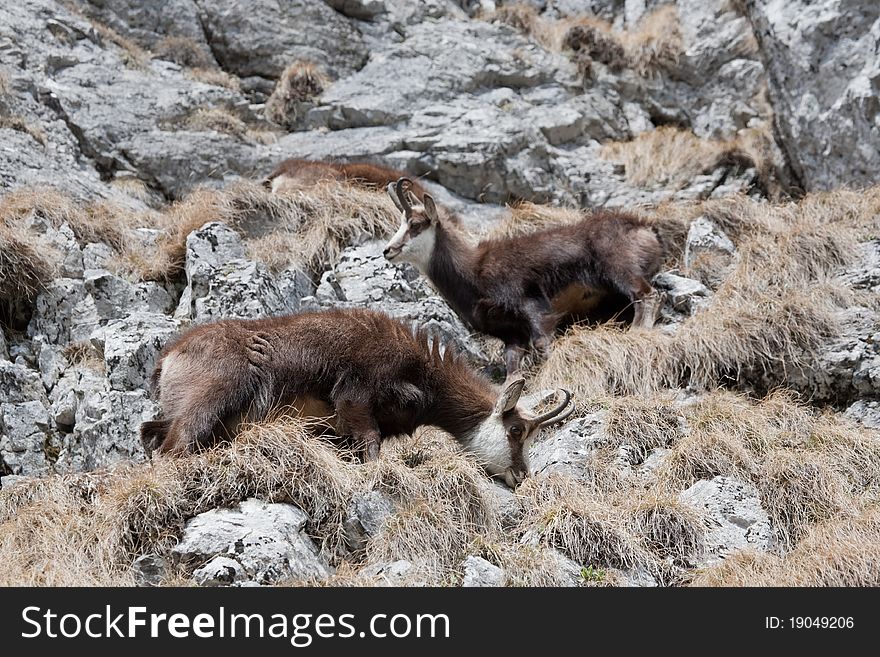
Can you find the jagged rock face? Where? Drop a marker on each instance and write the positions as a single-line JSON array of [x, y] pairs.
[[363, 278], [222, 283], [824, 74]]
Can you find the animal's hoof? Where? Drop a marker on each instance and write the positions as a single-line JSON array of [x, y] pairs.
[[371, 454]]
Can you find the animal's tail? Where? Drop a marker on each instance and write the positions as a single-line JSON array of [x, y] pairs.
[[153, 434]]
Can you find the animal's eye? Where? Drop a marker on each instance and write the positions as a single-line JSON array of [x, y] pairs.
[[516, 431]]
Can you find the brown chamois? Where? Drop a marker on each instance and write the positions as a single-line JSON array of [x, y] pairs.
[[519, 289], [376, 375], [297, 173]]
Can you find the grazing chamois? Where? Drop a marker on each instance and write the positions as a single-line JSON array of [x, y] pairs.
[[377, 376], [519, 289], [298, 173]]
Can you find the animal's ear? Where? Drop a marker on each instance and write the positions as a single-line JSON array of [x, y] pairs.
[[430, 208], [392, 192], [509, 396]]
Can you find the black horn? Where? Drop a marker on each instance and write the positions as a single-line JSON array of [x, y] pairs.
[[554, 414], [404, 185]]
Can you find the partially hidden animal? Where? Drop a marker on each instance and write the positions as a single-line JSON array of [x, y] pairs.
[[297, 173], [519, 289], [375, 376]]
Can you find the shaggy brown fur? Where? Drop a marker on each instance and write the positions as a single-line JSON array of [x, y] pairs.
[[304, 173], [520, 289], [377, 376]]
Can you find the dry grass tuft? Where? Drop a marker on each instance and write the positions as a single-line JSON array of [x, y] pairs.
[[841, 552], [670, 156], [83, 354], [300, 83], [565, 515], [215, 77], [217, 119], [21, 125], [88, 529], [304, 228], [184, 51], [643, 425], [26, 265], [654, 45], [671, 530], [764, 321], [442, 504], [800, 490], [220, 119]]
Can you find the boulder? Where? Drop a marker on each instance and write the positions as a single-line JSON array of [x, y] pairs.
[[734, 517], [708, 251], [257, 542], [363, 278], [262, 37], [367, 513], [683, 295], [24, 432], [107, 423], [570, 449], [19, 383], [479, 572], [222, 283]]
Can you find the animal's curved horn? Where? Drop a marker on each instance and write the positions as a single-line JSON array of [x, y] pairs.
[[555, 414], [392, 192], [403, 186]]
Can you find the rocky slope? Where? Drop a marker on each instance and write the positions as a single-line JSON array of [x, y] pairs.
[[133, 137]]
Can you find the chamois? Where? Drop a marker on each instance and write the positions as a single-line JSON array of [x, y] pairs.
[[519, 289], [377, 376], [296, 172]]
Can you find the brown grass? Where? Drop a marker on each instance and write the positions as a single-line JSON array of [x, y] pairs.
[[673, 157], [215, 77], [843, 552], [21, 125], [670, 529], [220, 119], [654, 45], [305, 228], [588, 529], [300, 83], [88, 529], [184, 51], [26, 265], [765, 320]]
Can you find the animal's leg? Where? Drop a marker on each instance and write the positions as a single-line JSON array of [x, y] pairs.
[[542, 324], [153, 434], [513, 355], [358, 420], [199, 424], [647, 302]]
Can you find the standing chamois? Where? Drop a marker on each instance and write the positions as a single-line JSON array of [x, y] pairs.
[[297, 173], [377, 376], [519, 289]]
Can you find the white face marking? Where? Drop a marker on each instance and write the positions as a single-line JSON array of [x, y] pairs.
[[489, 444], [416, 250]]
